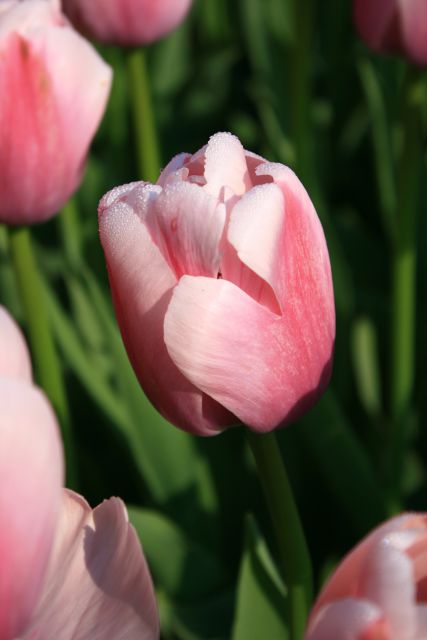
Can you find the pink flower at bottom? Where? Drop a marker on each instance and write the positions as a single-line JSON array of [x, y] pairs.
[[67, 572], [379, 591]]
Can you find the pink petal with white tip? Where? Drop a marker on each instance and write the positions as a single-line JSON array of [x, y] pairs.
[[225, 165], [31, 475], [98, 586]]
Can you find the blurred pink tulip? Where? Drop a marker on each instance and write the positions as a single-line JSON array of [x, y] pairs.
[[66, 571], [379, 591], [222, 286], [126, 22], [398, 26], [53, 91]]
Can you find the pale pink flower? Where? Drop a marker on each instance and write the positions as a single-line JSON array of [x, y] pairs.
[[395, 26], [126, 22], [379, 591], [222, 286], [66, 572], [53, 92]]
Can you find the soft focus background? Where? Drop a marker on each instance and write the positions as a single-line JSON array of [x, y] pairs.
[[322, 103]]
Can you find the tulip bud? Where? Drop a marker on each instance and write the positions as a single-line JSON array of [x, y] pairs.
[[392, 26], [379, 591], [53, 91], [222, 286], [126, 22]]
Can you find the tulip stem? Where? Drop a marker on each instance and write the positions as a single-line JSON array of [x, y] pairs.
[[147, 143], [47, 367], [404, 262], [291, 542], [69, 227]]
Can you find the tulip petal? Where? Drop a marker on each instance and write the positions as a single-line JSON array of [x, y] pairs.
[[225, 165], [421, 613], [253, 362], [414, 27], [31, 473], [50, 115], [349, 619], [14, 357], [142, 283], [172, 168], [98, 586], [256, 231], [187, 223], [387, 579], [345, 579], [127, 22], [374, 20]]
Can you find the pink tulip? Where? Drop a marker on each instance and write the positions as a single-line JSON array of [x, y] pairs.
[[126, 22], [66, 571], [398, 26], [221, 282], [53, 91], [379, 591]]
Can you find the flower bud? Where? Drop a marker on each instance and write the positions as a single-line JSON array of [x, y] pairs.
[[53, 91], [126, 22], [392, 26], [379, 591], [222, 286]]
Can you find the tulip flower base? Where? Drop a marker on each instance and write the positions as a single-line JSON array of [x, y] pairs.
[[290, 537]]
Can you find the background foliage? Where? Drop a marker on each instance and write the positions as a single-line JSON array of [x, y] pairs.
[[302, 90]]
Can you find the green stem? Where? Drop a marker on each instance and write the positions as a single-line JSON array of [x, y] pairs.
[[404, 262], [46, 363], [69, 227], [147, 145], [289, 533]]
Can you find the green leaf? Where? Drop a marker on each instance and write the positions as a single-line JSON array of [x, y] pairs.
[[167, 456], [344, 464], [366, 365], [185, 570], [261, 595]]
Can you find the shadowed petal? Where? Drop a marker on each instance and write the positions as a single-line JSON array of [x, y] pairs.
[[373, 19], [98, 586]]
